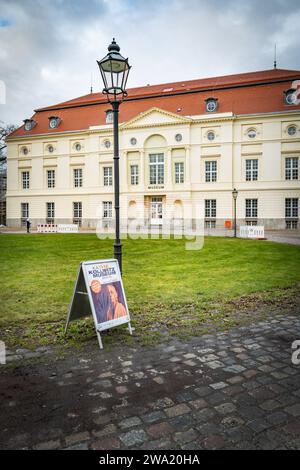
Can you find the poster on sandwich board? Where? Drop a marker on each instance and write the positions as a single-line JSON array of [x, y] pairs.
[[99, 291]]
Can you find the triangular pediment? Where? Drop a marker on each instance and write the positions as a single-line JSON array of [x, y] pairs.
[[155, 117]]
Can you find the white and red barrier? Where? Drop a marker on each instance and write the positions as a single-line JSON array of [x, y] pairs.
[[57, 228]]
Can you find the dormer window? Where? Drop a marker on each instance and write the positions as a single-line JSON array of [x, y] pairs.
[[211, 105], [290, 96], [54, 122], [29, 124], [109, 116]]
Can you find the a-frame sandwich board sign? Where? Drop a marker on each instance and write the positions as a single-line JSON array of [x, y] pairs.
[[99, 291]]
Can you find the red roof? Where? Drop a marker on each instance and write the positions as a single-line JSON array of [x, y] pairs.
[[247, 93]]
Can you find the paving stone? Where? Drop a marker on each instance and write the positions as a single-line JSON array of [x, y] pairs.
[[204, 415], [197, 404], [49, 445], [158, 380], [232, 421], [235, 368], [159, 430], [207, 429], [225, 408], [109, 443], [218, 385], [77, 437], [270, 405], [216, 398], [157, 444], [177, 410], [185, 396], [122, 389], [109, 429], [190, 363], [192, 446], [278, 417], [153, 417], [102, 419], [136, 436], [235, 379], [233, 390], [293, 410], [202, 391], [249, 374], [130, 422], [258, 425], [82, 446], [185, 436], [182, 422], [214, 443], [162, 403], [215, 364]]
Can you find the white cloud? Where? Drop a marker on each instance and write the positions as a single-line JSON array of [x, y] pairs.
[[49, 49]]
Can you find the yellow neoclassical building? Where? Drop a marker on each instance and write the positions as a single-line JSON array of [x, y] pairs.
[[184, 147]]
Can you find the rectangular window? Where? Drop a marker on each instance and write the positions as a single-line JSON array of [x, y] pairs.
[[77, 213], [77, 177], [251, 208], [107, 209], [210, 224], [157, 168], [291, 224], [291, 168], [51, 178], [251, 170], [50, 212], [134, 174], [107, 176], [291, 207], [179, 172], [24, 212], [210, 208], [251, 223], [210, 171], [25, 179]]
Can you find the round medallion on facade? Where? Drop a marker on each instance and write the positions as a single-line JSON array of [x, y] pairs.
[[25, 151], [292, 130], [133, 141], [251, 133], [78, 147], [178, 137], [107, 144], [211, 135], [50, 148]]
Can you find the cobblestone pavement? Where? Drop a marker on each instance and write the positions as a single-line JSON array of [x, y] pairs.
[[233, 390]]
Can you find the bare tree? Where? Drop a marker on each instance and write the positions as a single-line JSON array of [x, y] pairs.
[[5, 130]]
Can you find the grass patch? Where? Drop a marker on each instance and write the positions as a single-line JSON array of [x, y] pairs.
[[169, 290]]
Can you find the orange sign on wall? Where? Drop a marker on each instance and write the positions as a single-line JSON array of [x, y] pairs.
[[227, 223]]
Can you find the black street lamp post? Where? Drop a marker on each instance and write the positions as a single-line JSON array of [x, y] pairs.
[[114, 69], [235, 195]]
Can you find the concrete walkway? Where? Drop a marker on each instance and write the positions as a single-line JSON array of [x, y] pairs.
[[233, 390], [291, 237]]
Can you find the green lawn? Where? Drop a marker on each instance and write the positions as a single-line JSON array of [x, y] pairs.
[[166, 286]]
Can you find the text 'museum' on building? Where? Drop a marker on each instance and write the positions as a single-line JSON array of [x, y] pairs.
[[183, 146]]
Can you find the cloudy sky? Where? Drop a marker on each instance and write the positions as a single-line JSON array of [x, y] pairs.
[[48, 48]]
